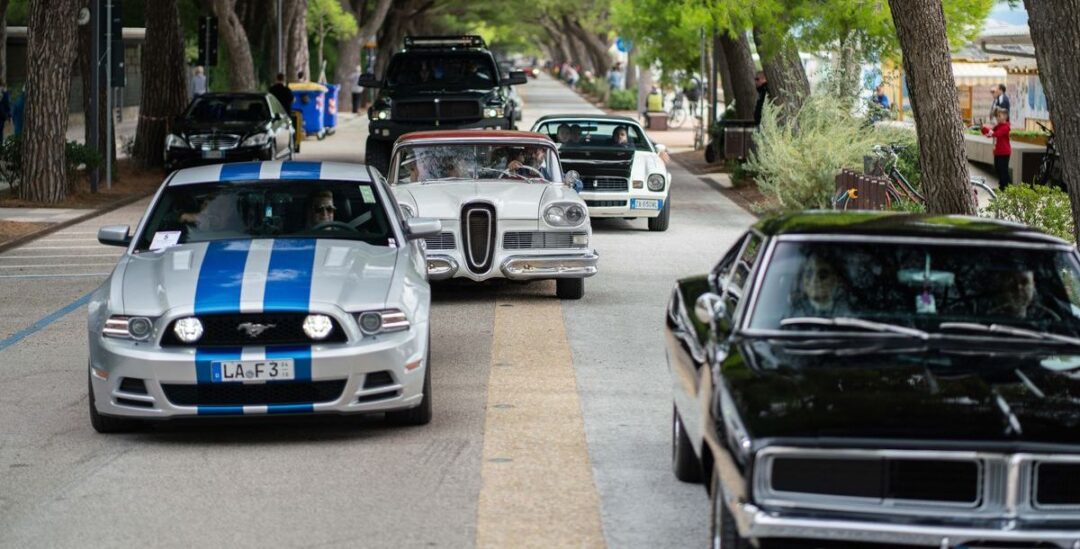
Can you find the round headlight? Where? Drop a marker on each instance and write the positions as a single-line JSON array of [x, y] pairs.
[[370, 323], [139, 327], [656, 182], [318, 326], [575, 214], [490, 113], [383, 114], [188, 330], [554, 215]]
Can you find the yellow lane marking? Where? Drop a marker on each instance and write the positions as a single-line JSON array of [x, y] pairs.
[[537, 487]]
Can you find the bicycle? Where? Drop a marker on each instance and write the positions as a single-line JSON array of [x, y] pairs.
[[1049, 172], [899, 189], [677, 115]]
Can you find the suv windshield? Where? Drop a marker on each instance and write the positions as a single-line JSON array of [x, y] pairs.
[[570, 134], [921, 286], [229, 109], [450, 162], [442, 70], [203, 212]]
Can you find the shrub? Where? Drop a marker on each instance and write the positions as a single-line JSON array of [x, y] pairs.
[[77, 155], [1039, 206], [623, 100]]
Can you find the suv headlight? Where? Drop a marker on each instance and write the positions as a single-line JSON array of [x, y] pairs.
[[382, 322], [565, 215], [493, 112], [656, 182], [381, 114], [256, 140], [173, 141], [138, 328]]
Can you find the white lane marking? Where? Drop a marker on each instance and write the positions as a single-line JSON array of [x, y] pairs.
[[58, 256], [75, 232], [54, 275], [56, 265], [47, 239], [253, 286], [98, 247]]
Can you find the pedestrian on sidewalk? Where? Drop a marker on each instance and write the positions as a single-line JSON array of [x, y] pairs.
[[762, 85], [5, 106], [357, 89], [282, 92], [1002, 146], [1001, 101], [198, 82]]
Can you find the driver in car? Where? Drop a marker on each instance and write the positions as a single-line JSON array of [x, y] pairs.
[[534, 158], [321, 208], [819, 290], [1015, 297], [620, 137]]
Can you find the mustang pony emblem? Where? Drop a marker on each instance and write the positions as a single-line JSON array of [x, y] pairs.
[[254, 330]]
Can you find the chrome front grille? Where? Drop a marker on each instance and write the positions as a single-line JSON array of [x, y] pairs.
[[214, 141], [441, 241], [606, 184], [1056, 485], [533, 240], [478, 229]]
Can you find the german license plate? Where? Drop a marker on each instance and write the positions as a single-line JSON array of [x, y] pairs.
[[644, 204], [232, 371], [213, 154]]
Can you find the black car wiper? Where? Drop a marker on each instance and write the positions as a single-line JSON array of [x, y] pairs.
[[848, 322], [1005, 329]]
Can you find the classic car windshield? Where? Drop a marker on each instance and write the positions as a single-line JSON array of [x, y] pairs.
[[229, 109], [485, 161], [920, 286], [203, 212], [571, 134], [443, 71]]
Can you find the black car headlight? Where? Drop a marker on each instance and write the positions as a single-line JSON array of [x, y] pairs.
[[138, 328], [381, 114], [382, 322], [493, 112], [257, 140], [173, 141], [656, 182]]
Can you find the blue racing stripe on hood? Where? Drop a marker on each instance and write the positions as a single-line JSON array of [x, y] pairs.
[[205, 359], [301, 170], [246, 171], [288, 278], [221, 277]]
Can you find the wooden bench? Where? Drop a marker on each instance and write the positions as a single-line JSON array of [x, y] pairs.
[[856, 191], [656, 121]]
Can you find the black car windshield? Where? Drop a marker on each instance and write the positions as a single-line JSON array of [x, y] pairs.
[[349, 210], [229, 109], [946, 288], [571, 134], [453, 162], [469, 70]]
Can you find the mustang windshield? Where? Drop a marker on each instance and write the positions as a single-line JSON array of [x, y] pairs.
[[229, 109], [962, 290], [454, 162], [349, 210], [612, 134]]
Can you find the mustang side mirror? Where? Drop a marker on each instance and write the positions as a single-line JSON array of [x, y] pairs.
[[572, 179], [516, 78], [368, 80], [114, 235], [419, 227]]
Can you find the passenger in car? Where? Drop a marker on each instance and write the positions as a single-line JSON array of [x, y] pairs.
[[1015, 298], [620, 136]]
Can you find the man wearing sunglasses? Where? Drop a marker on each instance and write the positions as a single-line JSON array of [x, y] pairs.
[[322, 208]]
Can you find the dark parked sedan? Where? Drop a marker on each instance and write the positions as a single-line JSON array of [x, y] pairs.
[[230, 127], [877, 378]]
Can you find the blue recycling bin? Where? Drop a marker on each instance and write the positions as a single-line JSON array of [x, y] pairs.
[[330, 116], [310, 99]]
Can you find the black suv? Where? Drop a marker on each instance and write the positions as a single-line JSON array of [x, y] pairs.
[[438, 82]]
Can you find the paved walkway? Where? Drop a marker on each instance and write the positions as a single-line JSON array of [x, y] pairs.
[[40, 215]]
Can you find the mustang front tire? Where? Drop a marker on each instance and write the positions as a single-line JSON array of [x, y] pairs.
[[420, 415], [660, 222], [570, 288], [684, 462], [107, 424]]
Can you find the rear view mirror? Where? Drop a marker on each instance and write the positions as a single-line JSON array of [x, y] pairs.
[[516, 78], [661, 148], [114, 235], [368, 80]]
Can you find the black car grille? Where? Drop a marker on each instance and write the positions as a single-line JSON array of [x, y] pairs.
[[605, 184], [931, 480], [1057, 484], [429, 110], [478, 230], [241, 394], [441, 241], [226, 330], [531, 240], [422, 110], [214, 141], [606, 203]]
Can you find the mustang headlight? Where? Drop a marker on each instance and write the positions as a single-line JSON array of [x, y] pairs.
[[173, 141], [565, 215], [382, 322], [257, 140], [138, 328], [381, 114], [656, 182], [493, 112], [188, 330], [318, 327]]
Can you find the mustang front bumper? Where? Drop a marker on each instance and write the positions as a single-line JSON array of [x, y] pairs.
[[374, 374]]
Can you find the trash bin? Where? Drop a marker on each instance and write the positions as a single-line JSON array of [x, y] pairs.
[[310, 99], [330, 116]]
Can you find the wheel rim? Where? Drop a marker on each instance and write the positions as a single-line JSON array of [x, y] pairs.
[[675, 432]]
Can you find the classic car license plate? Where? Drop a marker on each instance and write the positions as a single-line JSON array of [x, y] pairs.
[[228, 371], [644, 204], [212, 154]]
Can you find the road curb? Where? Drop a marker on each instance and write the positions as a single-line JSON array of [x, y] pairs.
[[29, 237]]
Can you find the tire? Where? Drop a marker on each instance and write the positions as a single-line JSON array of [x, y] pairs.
[[570, 288], [660, 222], [684, 462], [377, 155], [677, 118], [420, 415], [723, 534], [107, 424], [710, 153]]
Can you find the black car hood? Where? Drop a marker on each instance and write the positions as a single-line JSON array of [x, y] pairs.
[[191, 127], [929, 394], [597, 161]]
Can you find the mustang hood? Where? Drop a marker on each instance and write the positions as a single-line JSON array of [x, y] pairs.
[[512, 199], [258, 275], [916, 395]]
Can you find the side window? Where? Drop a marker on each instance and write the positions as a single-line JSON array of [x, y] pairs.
[[740, 272], [720, 273]]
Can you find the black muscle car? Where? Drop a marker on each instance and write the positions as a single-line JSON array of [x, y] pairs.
[[230, 127], [873, 378]]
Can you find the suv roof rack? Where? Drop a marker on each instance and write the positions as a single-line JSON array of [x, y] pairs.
[[444, 42]]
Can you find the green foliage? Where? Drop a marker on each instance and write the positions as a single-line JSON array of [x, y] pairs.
[[1045, 208], [326, 18], [78, 157], [623, 100]]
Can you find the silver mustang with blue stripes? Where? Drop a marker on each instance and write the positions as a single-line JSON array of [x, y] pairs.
[[264, 288]]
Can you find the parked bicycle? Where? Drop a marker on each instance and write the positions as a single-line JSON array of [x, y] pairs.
[[899, 189], [677, 115], [1050, 168]]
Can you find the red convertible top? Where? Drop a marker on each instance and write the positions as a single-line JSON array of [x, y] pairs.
[[469, 134]]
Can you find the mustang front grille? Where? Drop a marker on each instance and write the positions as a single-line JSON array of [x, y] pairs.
[[252, 329], [532, 240], [478, 228], [242, 394], [1057, 484], [606, 184], [214, 141], [441, 241], [605, 203]]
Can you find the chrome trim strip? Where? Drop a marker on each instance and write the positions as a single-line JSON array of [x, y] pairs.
[[441, 267], [523, 267], [474, 264]]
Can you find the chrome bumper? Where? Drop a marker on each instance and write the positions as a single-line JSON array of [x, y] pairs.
[[441, 267], [755, 523], [529, 267]]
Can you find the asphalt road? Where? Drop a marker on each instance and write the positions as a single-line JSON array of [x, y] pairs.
[[552, 420]]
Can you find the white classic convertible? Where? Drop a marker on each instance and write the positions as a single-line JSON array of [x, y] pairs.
[[622, 172], [507, 209]]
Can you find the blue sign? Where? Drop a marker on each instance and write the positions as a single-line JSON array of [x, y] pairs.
[[623, 45]]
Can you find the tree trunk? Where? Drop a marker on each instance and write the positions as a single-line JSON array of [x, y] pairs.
[[164, 89], [741, 65], [723, 71], [241, 67], [297, 56], [85, 71], [349, 52], [594, 48], [788, 84], [52, 37], [631, 70], [3, 40], [920, 26]]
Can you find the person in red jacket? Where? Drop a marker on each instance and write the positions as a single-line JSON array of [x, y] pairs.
[[1002, 146]]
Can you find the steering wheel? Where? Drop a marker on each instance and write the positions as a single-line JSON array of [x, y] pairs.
[[333, 225], [532, 169], [503, 174]]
